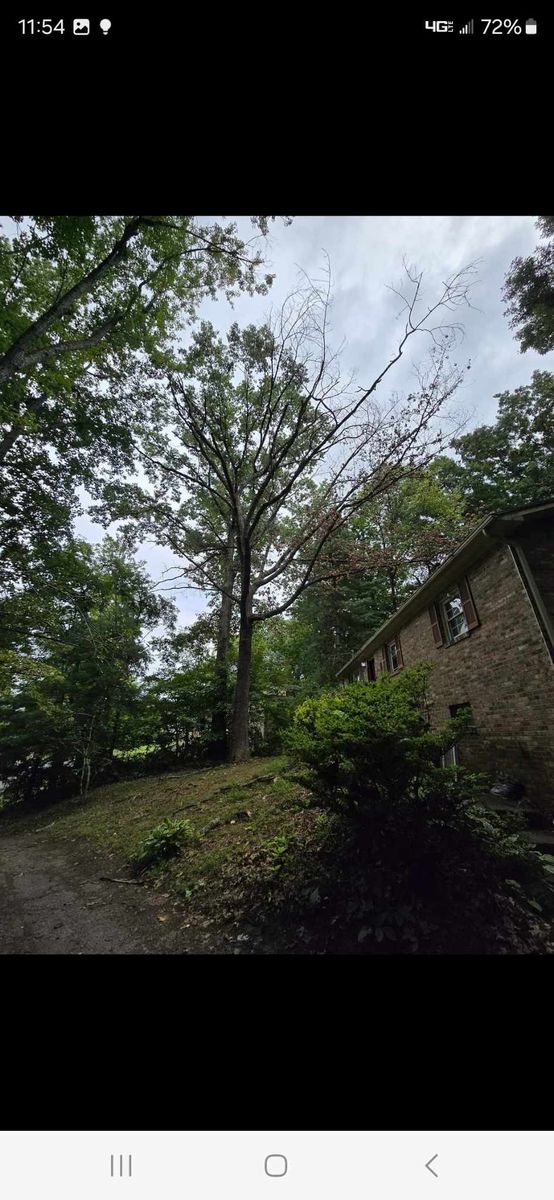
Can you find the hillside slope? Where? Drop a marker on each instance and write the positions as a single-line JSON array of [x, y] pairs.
[[239, 815]]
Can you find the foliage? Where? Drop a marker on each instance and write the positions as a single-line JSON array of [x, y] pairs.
[[529, 290], [248, 422], [367, 743], [165, 841], [275, 683], [178, 710], [442, 876], [409, 858], [90, 306], [510, 463], [386, 550], [69, 669]]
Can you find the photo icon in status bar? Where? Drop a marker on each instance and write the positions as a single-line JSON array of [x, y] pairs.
[[81, 26]]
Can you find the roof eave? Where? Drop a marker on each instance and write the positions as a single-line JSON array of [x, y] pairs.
[[478, 544], [496, 525]]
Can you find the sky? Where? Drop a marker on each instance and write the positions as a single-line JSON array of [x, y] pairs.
[[366, 256]]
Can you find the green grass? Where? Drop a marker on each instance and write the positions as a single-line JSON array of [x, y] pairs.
[[233, 819]]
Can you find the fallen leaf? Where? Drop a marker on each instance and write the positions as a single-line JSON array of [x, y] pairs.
[[163, 917]]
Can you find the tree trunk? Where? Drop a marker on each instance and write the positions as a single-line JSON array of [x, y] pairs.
[[219, 716], [240, 747], [115, 734], [84, 782]]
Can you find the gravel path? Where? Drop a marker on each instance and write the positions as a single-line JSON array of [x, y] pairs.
[[52, 901]]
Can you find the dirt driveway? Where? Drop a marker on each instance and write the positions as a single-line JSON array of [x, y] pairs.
[[54, 901]]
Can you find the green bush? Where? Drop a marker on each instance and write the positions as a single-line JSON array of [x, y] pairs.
[[410, 857], [163, 842], [372, 742]]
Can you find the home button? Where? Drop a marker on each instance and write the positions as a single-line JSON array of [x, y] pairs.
[[276, 1164]]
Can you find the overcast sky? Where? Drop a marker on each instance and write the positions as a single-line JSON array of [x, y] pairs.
[[366, 255]]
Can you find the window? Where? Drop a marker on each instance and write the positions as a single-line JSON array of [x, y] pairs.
[[454, 616], [371, 674], [394, 655], [457, 709]]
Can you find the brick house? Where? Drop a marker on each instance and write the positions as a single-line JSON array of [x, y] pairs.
[[485, 619]]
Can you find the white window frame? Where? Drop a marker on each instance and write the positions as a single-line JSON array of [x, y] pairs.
[[450, 638]]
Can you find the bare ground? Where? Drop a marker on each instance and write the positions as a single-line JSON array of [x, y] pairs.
[[53, 901]]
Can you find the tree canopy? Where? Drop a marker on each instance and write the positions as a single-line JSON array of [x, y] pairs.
[[510, 462], [529, 291], [88, 304], [269, 446]]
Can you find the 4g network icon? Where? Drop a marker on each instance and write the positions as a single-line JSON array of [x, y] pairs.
[[440, 26]]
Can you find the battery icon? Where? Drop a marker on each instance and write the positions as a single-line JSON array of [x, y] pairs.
[[530, 26]]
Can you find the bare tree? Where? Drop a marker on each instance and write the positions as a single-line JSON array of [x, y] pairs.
[[284, 450]]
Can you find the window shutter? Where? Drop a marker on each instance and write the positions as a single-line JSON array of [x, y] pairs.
[[399, 652], [384, 663], [468, 605], [435, 625]]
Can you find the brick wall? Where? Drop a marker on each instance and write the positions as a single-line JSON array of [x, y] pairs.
[[503, 670]]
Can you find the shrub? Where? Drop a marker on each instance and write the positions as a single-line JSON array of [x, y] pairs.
[[367, 742], [422, 879], [163, 842], [410, 857]]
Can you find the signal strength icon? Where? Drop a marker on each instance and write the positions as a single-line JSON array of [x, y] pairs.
[[469, 28]]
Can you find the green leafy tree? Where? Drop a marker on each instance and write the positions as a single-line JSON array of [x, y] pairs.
[[385, 551], [89, 305], [255, 417], [70, 675], [192, 527], [333, 618], [529, 290], [181, 706], [511, 462]]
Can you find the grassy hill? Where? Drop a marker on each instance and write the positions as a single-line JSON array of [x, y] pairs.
[[243, 818], [258, 866]]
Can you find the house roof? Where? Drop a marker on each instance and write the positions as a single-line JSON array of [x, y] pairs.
[[479, 543]]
